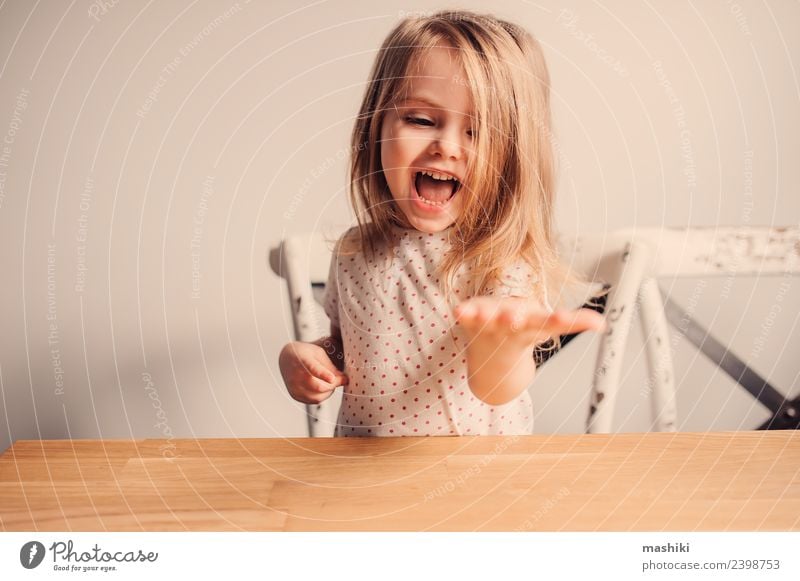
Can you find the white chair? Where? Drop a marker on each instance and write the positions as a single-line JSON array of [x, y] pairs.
[[615, 258], [625, 263], [303, 262], [715, 251]]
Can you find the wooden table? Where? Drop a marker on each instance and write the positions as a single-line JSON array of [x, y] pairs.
[[684, 481]]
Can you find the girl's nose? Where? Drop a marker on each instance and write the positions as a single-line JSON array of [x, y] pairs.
[[449, 143]]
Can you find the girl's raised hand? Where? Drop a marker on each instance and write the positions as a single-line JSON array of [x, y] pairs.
[[309, 373], [522, 320]]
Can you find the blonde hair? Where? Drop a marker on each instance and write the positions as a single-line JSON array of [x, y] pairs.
[[508, 209]]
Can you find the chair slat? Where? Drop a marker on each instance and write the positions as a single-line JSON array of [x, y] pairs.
[[722, 250]]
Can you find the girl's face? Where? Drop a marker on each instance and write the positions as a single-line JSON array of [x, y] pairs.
[[430, 132]]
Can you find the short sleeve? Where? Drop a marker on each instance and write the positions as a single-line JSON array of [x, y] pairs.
[[330, 301]]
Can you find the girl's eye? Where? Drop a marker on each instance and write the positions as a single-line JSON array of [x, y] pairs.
[[419, 121]]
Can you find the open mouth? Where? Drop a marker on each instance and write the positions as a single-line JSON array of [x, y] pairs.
[[435, 188]]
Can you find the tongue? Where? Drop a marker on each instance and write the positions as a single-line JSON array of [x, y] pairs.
[[434, 190]]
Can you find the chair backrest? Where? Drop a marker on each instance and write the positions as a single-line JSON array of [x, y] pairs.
[[721, 250], [710, 252], [303, 261]]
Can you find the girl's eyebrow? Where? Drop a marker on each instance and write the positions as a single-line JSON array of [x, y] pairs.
[[421, 99]]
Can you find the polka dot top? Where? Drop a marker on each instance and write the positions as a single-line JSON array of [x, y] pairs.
[[403, 354]]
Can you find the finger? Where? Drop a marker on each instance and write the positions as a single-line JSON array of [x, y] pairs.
[[509, 319], [321, 371], [568, 322], [465, 311], [517, 315], [315, 385], [466, 315], [489, 315], [338, 379], [484, 319], [341, 380], [535, 321], [591, 320]]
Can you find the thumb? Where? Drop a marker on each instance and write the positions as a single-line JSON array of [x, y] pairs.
[[341, 379], [340, 376], [327, 371]]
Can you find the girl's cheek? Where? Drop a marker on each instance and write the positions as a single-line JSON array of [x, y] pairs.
[[413, 142], [402, 136]]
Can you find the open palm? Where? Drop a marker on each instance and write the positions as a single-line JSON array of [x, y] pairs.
[[522, 320]]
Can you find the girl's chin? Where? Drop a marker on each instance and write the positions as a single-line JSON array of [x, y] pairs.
[[430, 225], [431, 228]]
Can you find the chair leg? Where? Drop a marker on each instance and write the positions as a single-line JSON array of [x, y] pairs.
[[312, 417], [661, 379], [786, 418], [322, 418], [619, 315]]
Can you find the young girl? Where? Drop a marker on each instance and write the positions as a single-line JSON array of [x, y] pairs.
[[439, 297]]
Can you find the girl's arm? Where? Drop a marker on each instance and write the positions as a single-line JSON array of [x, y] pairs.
[[499, 369], [502, 333]]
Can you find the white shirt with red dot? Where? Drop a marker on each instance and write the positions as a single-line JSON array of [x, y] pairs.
[[403, 355]]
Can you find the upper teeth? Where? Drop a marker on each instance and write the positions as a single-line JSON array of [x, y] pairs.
[[437, 176]]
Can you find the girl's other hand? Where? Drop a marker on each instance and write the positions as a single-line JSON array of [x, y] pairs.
[[309, 374], [522, 320]]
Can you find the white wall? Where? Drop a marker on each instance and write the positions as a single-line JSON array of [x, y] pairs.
[[245, 142]]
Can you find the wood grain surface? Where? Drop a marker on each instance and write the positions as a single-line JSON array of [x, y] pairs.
[[617, 482]]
